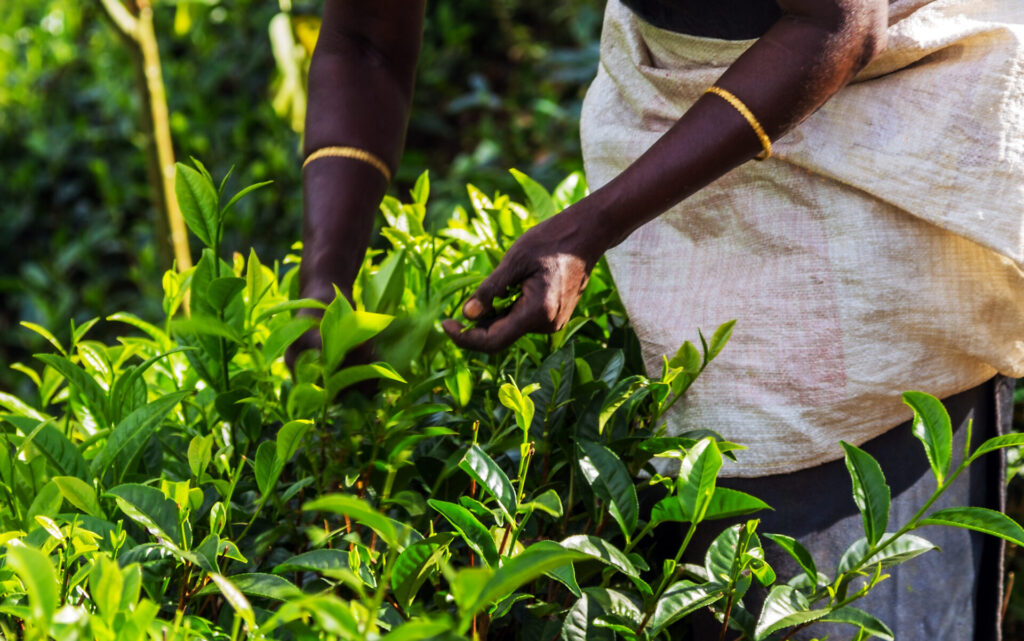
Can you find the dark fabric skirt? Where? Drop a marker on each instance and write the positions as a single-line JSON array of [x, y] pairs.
[[953, 594]]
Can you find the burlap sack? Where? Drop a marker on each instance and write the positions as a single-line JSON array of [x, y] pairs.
[[880, 249]]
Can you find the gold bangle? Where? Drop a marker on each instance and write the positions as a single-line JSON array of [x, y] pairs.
[[766, 142], [350, 152]]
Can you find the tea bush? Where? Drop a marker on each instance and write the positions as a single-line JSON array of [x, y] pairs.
[[184, 484]]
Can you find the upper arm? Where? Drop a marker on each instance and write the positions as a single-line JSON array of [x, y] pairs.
[[861, 24], [387, 33]]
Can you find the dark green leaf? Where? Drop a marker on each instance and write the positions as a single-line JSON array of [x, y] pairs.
[[681, 599], [149, 508], [870, 492], [132, 433], [799, 553], [998, 442], [861, 619], [482, 467], [412, 565], [92, 394], [611, 481], [56, 447], [725, 503], [532, 562], [477, 537]]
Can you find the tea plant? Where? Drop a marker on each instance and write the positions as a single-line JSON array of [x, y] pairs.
[[184, 484]]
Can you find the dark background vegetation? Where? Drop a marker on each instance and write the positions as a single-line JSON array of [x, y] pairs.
[[500, 85]]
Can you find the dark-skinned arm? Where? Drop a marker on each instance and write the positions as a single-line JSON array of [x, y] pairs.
[[806, 57], [360, 91]]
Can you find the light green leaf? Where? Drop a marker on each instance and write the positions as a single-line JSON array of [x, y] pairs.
[[486, 472], [106, 584], [236, 598], [725, 503], [243, 192], [418, 630], [870, 492], [472, 531], [284, 335], [541, 203], [719, 339], [265, 467], [611, 481], [548, 502], [785, 607], [80, 494], [264, 586], [197, 199], [601, 550], [998, 442], [357, 510], [903, 549], [532, 562], [933, 428], [411, 568], [358, 373], [289, 437], [40, 581], [343, 328], [698, 473], [979, 519]]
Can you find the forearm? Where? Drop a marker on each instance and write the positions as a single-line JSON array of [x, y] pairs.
[[783, 78], [360, 91]]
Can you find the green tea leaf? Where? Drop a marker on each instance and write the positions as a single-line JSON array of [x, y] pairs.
[[148, 507], [719, 339], [93, 395], [611, 481], [472, 531], [998, 442], [106, 584], [80, 494], [933, 428], [698, 473], [133, 431], [343, 328], [548, 502], [264, 586], [799, 553], [601, 550], [903, 549], [861, 619], [725, 504], [578, 624], [411, 568], [289, 437], [265, 467], [40, 580], [418, 630], [979, 519], [541, 203], [357, 510], [284, 335], [197, 199], [236, 598], [534, 561], [785, 607], [56, 447], [870, 492], [681, 599], [482, 467], [348, 376]]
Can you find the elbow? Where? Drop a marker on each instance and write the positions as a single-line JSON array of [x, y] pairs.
[[870, 32], [856, 29]]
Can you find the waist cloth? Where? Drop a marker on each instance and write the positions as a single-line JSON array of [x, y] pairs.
[[880, 249]]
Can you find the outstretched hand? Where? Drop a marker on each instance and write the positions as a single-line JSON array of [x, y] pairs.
[[551, 263]]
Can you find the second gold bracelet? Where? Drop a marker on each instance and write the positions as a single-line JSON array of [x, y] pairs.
[[729, 97]]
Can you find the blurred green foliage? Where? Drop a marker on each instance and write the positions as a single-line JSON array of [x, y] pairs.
[[500, 85]]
